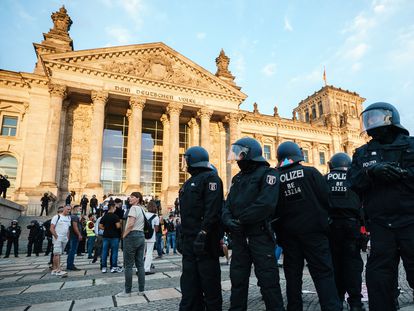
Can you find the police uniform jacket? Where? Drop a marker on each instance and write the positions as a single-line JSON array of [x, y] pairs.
[[13, 233], [344, 202], [252, 198], [387, 204], [201, 199], [303, 200]]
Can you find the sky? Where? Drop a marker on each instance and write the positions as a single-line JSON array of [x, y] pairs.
[[278, 49]]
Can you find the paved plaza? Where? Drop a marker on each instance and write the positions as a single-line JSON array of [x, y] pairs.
[[26, 284]]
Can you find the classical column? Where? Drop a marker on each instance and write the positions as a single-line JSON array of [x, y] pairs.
[[233, 120], [133, 169], [222, 156], [194, 132], [60, 166], [173, 110], [99, 99], [57, 95], [315, 155], [205, 114], [165, 158]]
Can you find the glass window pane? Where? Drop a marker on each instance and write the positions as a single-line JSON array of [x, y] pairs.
[[8, 166], [321, 158], [11, 121]]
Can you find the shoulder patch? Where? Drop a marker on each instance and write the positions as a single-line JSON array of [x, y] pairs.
[[271, 180], [212, 186]]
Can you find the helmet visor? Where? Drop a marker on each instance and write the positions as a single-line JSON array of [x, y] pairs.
[[237, 153], [376, 118], [184, 164]]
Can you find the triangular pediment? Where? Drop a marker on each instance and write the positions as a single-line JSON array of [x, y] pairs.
[[153, 62]]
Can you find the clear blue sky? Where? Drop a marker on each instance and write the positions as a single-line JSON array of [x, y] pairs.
[[277, 48]]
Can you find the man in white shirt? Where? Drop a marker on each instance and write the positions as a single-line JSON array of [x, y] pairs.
[[59, 227], [155, 222]]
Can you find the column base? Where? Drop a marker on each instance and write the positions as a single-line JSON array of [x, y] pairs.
[[132, 188]]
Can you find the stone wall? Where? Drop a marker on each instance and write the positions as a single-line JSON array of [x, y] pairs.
[[9, 211]]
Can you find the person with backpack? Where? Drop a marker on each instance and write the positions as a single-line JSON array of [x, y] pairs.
[[154, 221], [59, 228]]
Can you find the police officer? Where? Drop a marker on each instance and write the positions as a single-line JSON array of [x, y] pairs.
[[201, 199], [13, 234], [302, 224], [34, 237], [345, 237], [249, 207], [382, 173]]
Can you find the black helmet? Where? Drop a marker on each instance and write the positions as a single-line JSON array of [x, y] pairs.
[[381, 114], [340, 161], [195, 157], [289, 153], [246, 148]]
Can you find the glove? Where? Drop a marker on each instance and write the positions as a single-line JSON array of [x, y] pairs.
[[384, 172], [233, 225], [199, 244]]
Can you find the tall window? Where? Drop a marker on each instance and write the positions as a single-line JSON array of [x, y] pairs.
[[307, 116], [322, 158], [313, 112], [9, 126], [267, 152], [305, 155], [8, 167], [183, 142], [320, 108]]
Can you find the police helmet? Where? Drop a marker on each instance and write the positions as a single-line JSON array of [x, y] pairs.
[[340, 161], [246, 148], [195, 157], [381, 114], [289, 153], [14, 221]]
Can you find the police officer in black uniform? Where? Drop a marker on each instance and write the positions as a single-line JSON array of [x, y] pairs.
[[248, 210], [13, 234], [382, 173], [302, 226], [201, 200], [345, 237], [35, 234]]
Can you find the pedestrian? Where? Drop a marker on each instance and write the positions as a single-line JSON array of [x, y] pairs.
[[90, 234], [382, 174], [249, 208], [59, 227], [200, 200], [82, 243], [44, 204], [98, 241], [68, 199], [4, 185], [75, 236], [302, 227], [171, 236], [159, 243], [34, 235], [152, 217], [134, 244], [345, 237], [84, 203], [48, 235], [3, 236], [93, 203], [13, 233], [110, 224]]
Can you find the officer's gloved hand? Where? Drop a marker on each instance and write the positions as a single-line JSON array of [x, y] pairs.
[[199, 244], [233, 225], [384, 172]]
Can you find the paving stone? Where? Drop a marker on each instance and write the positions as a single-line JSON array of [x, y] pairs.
[[75, 284], [155, 276], [164, 293], [75, 273], [134, 299], [7, 273], [52, 306], [104, 281], [173, 274], [10, 279], [31, 277], [19, 308], [44, 287], [408, 308], [13, 291], [226, 285], [93, 272], [35, 271], [93, 303]]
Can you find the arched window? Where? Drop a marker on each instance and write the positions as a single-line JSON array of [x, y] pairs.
[[8, 167]]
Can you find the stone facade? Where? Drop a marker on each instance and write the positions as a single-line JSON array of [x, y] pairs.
[[63, 110]]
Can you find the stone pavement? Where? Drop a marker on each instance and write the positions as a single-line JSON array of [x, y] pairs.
[[26, 284]]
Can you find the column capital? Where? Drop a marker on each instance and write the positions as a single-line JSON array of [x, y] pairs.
[[57, 90], [192, 123], [99, 96], [174, 108], [137, 102], [221, 127], [233, 117], [164, 119], [205, 113]]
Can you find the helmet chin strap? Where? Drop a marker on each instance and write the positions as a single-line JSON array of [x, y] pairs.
[[384, 134]]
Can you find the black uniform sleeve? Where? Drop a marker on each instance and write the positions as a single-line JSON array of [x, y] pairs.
[[321, 188], [213, 200], [359, 180], [265, 204]]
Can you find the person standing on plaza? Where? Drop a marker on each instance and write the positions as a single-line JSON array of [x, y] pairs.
[[248, 210], [344, 234], [134, 245], [152, 217], [201, 199], [159, 242], [98, 241], [82, 243], [171, 236], [35, 234], [59, 227], [110, 224], [44, 204], [68, 199], [74, 238], [84, 203], [13, 234], [48, 236], [90, 234], [93, 203], [302, 227], [382, 174]]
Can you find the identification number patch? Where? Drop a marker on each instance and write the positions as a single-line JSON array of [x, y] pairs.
[[212, 186], [271, 180]]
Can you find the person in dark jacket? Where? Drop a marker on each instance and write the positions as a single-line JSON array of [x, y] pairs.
[[345, 237], [382, 173], [84, 204], [34, 236], [3, 236], [48, 236], [248, 210], [93, 203], [68, 199], [44, 203], [4, 185], [302, 227], [13, 233], [201, 199]]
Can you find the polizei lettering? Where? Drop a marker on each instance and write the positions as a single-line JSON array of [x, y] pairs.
[[369, 163], [337, 176], [288, 176]]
